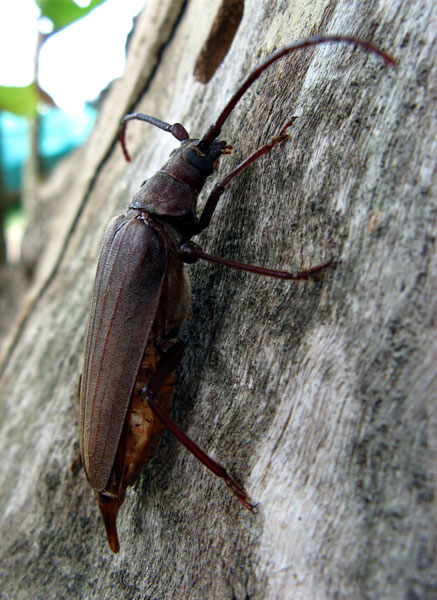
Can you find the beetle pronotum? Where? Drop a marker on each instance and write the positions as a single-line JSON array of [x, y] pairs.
[[141, 298]]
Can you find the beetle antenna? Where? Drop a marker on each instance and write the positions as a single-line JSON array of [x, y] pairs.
[[215, 129], [177, 130]]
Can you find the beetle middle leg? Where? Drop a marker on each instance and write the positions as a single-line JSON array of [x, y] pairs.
[[190, 252], [150, 391]]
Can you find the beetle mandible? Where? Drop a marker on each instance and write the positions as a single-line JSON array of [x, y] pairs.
[[141, 298]]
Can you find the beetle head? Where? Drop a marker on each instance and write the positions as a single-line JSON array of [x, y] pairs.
[[202, 155]]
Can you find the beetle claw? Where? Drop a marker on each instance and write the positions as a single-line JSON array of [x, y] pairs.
[[241, 494]]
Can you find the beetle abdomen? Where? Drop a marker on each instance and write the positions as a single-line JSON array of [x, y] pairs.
[[144, 429]]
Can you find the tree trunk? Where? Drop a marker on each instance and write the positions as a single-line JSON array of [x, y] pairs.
[[318, 397]]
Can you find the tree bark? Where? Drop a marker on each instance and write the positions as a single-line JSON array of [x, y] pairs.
[[318, 397]]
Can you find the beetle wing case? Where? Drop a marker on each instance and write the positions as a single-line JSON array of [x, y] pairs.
[[130, 273]]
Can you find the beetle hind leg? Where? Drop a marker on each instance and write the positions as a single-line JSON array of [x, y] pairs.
[[150, 391]]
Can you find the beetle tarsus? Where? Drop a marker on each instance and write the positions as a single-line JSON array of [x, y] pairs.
[[314, 273], [240, 493], [287, 125], [281, 137]]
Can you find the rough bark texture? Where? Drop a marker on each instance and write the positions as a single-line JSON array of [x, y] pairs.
[[318, 397]]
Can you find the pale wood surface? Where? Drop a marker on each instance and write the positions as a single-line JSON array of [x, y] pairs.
[[320, 397]]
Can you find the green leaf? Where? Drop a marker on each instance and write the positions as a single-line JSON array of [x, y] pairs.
[[63, 12], [19, 100]]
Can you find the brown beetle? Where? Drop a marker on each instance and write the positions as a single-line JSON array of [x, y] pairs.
[[141, 298]]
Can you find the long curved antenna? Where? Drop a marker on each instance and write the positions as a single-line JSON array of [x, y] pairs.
[[177, 130], [215, 129]]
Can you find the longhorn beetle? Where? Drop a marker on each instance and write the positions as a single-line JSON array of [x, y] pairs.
[[141, 298]]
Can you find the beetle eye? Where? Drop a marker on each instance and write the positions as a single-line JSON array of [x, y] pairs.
[[202, 162]]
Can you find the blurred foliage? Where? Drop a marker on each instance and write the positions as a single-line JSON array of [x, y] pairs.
[[23, 100], [64, 12], [19, 100]]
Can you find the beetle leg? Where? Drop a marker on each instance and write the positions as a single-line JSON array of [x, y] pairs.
[[170, 361], [219, 188], [76, 464], [191, 252]]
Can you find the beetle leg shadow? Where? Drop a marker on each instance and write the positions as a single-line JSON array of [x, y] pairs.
[[76, 464]]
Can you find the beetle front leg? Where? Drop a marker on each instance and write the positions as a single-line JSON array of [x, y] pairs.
[[169, 363], [219, 188]]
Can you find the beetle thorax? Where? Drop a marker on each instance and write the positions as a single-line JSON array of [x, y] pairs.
[[174, 189]]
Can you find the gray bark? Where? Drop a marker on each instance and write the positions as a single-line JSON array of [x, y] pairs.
[[318, 397]]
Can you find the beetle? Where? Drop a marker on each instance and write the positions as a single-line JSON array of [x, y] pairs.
[[141, 298]]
